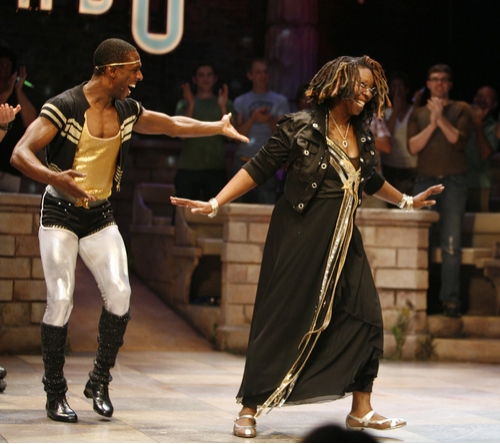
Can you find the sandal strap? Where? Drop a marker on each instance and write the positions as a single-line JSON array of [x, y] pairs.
[[245, 426], [366, 420]]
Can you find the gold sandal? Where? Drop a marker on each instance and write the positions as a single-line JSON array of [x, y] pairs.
[[381, 424], [245, 431]]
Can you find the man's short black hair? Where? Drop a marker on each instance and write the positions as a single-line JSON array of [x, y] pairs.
[[256, 60], [112, 51], [200, 64]]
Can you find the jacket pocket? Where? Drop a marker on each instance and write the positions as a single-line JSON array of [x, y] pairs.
[[304, 156]]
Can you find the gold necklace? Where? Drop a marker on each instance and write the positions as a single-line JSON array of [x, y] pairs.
[[344, 137]]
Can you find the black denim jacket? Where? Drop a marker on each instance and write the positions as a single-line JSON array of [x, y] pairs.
[[300, 144]]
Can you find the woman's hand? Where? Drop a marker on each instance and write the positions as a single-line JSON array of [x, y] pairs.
[[420, 200], [197, 206]]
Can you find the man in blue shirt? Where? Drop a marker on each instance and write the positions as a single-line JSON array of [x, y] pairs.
[[257, 113]]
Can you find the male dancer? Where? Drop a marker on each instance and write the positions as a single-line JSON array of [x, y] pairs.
[[87, 131]]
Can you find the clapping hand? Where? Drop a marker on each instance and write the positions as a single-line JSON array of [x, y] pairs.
[[8, 113]]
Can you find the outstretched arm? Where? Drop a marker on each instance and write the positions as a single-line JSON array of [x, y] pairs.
[[152, 122], [236, 187], [390, 194]]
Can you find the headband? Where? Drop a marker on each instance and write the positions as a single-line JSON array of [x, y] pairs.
[[117, 64]]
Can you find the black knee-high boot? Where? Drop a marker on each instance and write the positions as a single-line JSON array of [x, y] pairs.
[[110, 339], [53, 344]]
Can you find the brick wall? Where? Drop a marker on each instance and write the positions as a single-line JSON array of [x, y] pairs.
[[396, 245], [22, 286]]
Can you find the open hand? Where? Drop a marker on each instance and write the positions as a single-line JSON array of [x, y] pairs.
[[197, 206], [223, 96], [65, 182], [420, 200], [22, 74], [187, 93], [8, 113], [229, 131]]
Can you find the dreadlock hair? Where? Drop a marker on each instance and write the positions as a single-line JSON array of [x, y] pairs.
[[338, 78], [112, 51]]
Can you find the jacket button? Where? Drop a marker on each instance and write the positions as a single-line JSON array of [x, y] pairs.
[[372, 153], [301, 206], [362, 179], [306, 152], [323, 166], [315, 125], [363, 139], [361, 160], [314, 185], [369, 138]]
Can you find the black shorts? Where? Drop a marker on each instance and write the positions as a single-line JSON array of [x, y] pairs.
[[83, 222]]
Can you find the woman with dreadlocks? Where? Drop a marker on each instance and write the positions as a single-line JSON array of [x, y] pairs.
[[316, 331]]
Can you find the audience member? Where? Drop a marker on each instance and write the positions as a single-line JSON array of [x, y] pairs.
[[437, 133], [11, 91], [399, 167], [202, 170], [482, 144], [257, 113]]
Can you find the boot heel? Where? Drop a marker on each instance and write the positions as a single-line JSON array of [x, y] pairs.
[[99, 394]]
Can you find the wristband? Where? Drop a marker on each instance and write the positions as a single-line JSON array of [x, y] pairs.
[[406, 203], [215, 207]]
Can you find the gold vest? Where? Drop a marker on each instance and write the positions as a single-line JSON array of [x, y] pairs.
[[96, 158]]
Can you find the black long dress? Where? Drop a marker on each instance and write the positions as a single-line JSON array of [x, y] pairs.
[[294, 280]]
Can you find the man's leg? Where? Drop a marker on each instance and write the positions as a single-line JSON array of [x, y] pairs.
[[58, 250], [105, 255], [451, 212]]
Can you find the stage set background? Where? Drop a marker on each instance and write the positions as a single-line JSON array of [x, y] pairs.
[[408, 35]]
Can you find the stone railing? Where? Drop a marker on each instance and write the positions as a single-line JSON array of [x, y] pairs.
[[22, 286], [396, 244]]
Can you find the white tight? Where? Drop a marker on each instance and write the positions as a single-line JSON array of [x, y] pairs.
[[105, 256]]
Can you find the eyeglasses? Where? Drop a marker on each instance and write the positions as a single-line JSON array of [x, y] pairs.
[[364, 88], [439, 79]]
